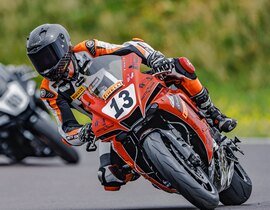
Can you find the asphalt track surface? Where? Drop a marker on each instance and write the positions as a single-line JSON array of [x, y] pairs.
[[49, 184]]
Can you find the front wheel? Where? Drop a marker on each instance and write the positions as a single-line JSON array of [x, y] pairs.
[[46, 130], [239, 190], [193, 185]]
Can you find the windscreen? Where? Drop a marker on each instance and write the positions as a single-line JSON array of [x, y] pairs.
[[105, 75]]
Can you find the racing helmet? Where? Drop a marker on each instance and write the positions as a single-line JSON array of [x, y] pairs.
[[49, 49]]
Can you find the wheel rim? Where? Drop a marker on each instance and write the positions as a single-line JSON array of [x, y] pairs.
[[195, 171]]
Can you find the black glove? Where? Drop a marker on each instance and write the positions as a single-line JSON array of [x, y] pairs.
[[86, 133], [160, 64]]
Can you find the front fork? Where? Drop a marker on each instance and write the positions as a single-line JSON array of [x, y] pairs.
[[224, 159]]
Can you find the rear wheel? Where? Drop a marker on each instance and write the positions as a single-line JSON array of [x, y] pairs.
[[192, 183], [239, 190], [46, 130]]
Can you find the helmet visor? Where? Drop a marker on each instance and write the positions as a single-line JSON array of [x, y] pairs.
[[49, 56]]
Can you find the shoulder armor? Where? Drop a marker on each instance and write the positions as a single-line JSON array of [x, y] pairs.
[[90, 45]]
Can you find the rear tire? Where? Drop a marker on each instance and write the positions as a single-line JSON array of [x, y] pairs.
[[174, 172], [46, 130], [239, 190]]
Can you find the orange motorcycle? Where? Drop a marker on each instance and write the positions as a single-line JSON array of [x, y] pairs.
[[161, 134]]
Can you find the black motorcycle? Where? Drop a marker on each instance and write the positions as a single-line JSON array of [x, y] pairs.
[[26, 127]]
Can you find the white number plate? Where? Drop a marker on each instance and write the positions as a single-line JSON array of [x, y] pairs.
[[121, 104]]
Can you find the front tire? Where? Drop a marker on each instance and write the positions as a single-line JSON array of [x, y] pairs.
[[204, 196], [46, 130], [239, 190]]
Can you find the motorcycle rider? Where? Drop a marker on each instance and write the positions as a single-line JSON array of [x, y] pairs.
[[62, 65]]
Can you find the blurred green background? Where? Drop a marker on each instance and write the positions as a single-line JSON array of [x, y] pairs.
[[227, 41]]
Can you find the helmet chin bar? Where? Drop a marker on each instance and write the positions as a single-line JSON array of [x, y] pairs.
[[75, 69]]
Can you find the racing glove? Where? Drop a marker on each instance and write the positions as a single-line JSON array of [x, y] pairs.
[[159, 63], [86, 133]]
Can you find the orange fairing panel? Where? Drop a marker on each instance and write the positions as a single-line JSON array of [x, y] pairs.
[[187, 113]]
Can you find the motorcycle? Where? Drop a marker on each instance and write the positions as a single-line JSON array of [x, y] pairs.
[[161, 135], [26, 127]]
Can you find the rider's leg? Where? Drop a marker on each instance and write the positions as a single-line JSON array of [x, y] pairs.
[[113, 173], [213, 114], [200, 96]]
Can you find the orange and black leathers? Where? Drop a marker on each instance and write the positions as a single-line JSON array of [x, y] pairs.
[[59, 96]]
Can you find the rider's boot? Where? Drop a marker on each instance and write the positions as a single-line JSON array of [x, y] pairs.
[[213, 115], [112, 177], [113, 173]]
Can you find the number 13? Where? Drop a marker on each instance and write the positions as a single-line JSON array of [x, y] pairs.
[[128, 102]]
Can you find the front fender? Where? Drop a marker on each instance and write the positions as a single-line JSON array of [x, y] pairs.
[[178, 109]]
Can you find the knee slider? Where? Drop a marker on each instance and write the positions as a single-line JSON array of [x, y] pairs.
[[100, 174], [185, 67], [107, 177]]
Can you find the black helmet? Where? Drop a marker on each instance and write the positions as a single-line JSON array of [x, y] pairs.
[[48, 47]]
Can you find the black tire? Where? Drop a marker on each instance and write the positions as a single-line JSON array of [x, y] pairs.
[[46, 130], [177, 175], [16, 158], [239, 190]]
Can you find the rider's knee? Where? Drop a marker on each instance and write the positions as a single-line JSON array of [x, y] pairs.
[[110, 177], [184, 66]]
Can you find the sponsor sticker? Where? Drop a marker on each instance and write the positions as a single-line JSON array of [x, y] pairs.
[[111, 89], [78, 93]]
